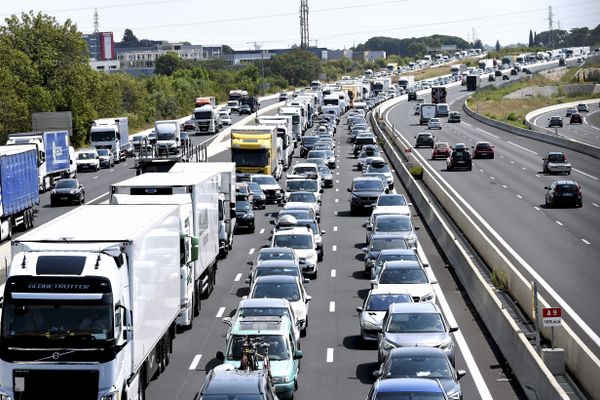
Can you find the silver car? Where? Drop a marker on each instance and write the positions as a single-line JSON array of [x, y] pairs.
[[415, 325], [396, 224], [374, 308], [394, 255]]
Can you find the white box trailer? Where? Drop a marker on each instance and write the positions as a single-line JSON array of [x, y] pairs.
[[196, 195], [90, 304], [284, 133], [226, 198]]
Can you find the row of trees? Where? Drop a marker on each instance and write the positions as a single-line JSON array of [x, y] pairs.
[[561, 38], [413, 47]]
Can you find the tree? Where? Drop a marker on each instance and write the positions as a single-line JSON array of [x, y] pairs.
[[167, 63], [531, 43], [478, 44], [416, 49], [298, 66], [535, 40], [497, 45], [129, 37]]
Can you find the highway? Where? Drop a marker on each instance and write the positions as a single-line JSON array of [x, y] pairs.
[[587, 132], [336, 365], [508, 193]]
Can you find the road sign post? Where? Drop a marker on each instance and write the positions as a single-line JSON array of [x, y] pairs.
[[552, 317]]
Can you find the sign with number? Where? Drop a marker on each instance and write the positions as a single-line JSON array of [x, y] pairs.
[[551, 316]]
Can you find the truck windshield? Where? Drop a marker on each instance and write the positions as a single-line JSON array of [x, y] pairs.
[[102, 136], [57, 321], [203, 115], [165, 136], [250, 158]]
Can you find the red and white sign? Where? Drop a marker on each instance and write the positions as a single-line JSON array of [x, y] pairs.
[[551, 316]]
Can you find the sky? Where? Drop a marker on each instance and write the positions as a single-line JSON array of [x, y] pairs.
[[335, 24]]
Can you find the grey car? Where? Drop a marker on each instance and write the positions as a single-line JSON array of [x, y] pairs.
[[415, 325], [394, 224], [275, 267], [393, 255], [422, 362], [364, 193], [326, 176], [374, 308], [379, 242]]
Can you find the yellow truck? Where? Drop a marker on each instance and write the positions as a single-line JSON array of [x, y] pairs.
[[255, 150]]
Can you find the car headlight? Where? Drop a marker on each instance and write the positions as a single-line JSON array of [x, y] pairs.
[[447, 346], [369, 325], [455, 395], [387, 345], [281, 379], [428, 297], [73, 191], [312, 259]]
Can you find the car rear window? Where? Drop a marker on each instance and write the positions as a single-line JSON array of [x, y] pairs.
[[556, 157], [482, 146], [569, 188]]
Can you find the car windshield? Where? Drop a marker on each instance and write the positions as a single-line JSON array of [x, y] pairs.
[[370, 184], [275, 255], [254, 187], [295, 185], [317, 154], [264, 180], [310, 139], [263, 311], [391, 201], [396, 257], [381, 302], [387, 243], [103, 152], [66, 184], [293, 241], [415, 322], [242, 206], [377, 167], [265, 271], [279, 349], [302, 197], [483, 146], [288, 291], [308, 169], [402, 276], [419, 367], [324, 170], [392, 224], [409, 395], [86, 156]]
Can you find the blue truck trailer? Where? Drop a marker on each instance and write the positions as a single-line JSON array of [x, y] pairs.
[[18, 188]]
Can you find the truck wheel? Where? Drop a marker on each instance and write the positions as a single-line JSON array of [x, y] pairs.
[[10, 232]]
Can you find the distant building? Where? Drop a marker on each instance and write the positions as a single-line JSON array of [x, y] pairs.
[[370, 55], [93, 44], [101, 45], [239, 57], [107, 66]]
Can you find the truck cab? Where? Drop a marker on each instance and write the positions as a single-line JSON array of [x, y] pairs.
[[168, 137]]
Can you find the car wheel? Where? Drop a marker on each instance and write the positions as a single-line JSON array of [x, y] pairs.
[[546, 203]]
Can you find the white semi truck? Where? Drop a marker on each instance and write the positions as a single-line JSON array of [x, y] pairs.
[[226, 198], [90, 304], [298, 123], [111, 134], [197, 198], [284, 133]]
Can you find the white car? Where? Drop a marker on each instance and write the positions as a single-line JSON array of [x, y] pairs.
[[300, 199], [406, 275], [392, 204], [88, 159], [434, 123], [302, 241], [375, 307], [286, 287], [225, 118]]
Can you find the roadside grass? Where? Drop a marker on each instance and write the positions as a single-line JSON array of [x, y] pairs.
[[438, 70], [490, 101]]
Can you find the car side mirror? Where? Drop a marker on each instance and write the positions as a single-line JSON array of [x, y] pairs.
[[308, 298], [373, 283], [369, 228], [460, 373], [376, 374], [364, 249], [359, 309], [247, 281], [220, 356], [546, 187], [305, 281], [250, 263], [323, 231], [453, 329], [297, 354], [416, 228], [348, 189], [227, 321]]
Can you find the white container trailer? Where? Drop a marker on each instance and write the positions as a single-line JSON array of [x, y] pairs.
[[196, 195], [226, 199], [90, 304], [284, 133]]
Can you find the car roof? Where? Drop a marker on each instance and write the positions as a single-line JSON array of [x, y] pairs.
[[388, 290], [276, 250], [242, 382], [403, 264], [379, 235], [276, 279], [420, 307], [412, 384], [276, 263], [417, 351], [555, 152], [263, 302]]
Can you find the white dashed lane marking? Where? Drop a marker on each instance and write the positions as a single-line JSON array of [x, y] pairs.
[[220, 312], [252, 250], [560, 223], [334, 248], [238, 277], [195, 362], [335, 228], [333, 273], [332, 306], [585, 241], [329, 358]]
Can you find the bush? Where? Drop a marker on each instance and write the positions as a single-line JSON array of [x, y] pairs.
[[512, 117], [416, 172]]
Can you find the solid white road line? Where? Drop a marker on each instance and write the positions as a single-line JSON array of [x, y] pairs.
[[195, 362], [463, 122], [262, 230], [220, 312], [487, 133], [521, 147], [337, 200], [332, 306], [238, 277], [595, 205], [329, 355], [585, 174], [504, 187], [337, 189], [537, 208], [585, 241], [252, 250], [519, 196], [333, 273], [560, 223]]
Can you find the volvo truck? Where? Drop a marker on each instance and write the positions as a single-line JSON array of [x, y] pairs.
[[90, 304], [196, 196]]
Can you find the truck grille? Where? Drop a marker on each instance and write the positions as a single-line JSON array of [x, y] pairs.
[[70, 384]]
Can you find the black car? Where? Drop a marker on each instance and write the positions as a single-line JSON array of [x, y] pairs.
[[505, 77], [364, 193], [230, 383], [555, 121], [259, 199], [424, 139], [454, 116], [191, 127], [513, 72], [459, 159], [67, 191], [412, 96], [498, 72], [575, 118], [565, 192], [491, 78], [245, 109], [308, 142], [244, 216]]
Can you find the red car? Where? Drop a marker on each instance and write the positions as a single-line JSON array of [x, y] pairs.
[[440, 150], [483, 150]]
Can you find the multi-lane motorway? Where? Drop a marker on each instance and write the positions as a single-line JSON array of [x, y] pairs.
[[559, 244], [587, 132]]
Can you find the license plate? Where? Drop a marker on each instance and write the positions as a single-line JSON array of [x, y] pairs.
[[567, 194]]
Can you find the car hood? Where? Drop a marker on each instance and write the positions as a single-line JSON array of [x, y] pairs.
[[373, 317], [89, 161], [269, 187], [64, 190], [304, 253], [367, 193], [404, 210], [417, 339], [414, 289]]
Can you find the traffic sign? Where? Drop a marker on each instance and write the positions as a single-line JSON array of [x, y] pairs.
[[551, 316]]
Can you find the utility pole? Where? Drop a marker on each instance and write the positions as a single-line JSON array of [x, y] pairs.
[[96, 22], [550, 27], [304, 36]]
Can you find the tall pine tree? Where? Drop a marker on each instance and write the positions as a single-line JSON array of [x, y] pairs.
[[530, 38], [497, 45]]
